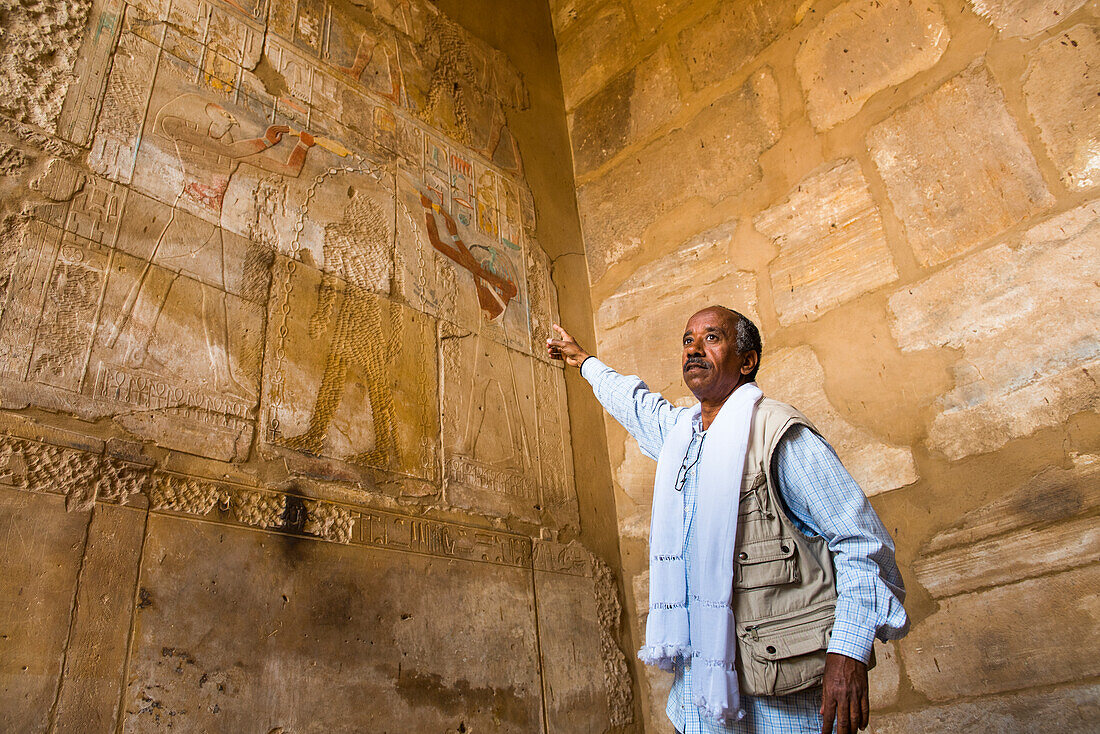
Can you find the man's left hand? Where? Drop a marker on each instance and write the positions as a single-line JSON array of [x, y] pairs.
[[844, 695]]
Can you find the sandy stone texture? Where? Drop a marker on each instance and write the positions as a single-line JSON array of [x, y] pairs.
[[862, 48], [629, 107], [934, 156], [885, 678], [1024, 17], [651, 13], [37, 585], [1069, 710], [795, 376], [314, 650], [490, 427], [728, 37], [1060, 90], [972, 644], [713, 156], [597, 48], [831, 243], [41, 43], [1040, 527], [640, 326], [1028, 355]]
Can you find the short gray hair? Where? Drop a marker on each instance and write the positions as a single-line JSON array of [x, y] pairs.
[[748, 338]]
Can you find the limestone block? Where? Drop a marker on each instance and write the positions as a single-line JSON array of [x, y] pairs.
[[314, 651], [634, 477], [1060, 90], [626, 110], [832, 247], [542, 293], [563, 13], [652, 13], [354, 377], [884, 680], [490, 430], [1008, 383], [713, 156], [728, 37], [578, 619], [1015, 537], [598, 49], [85, 90], [1069, 710], [640, 326], [41, 44], [38, 576], [934, 156], [973, 645], [1024, 17], [557, 490], [478, 281], [863, 47], [95, 659], [118, 129], [795, 376]]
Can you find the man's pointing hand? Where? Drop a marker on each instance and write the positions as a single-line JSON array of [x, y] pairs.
[[566, 348]]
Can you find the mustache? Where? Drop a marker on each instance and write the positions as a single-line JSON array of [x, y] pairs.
[[696, 361]]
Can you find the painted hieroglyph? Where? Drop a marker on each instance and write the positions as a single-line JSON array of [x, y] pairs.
[[298, 231]]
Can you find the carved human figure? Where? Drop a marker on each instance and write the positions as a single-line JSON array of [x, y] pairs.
[[354, 250], [201, 135], [364, 54]]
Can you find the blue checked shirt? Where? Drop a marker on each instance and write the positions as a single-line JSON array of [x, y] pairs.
[[823, 500]]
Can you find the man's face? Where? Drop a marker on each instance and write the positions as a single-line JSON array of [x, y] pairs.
[[712, 366]]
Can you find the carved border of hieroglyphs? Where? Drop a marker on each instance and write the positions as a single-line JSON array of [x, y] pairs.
[[572, 559], [84, 477], [620, 689]]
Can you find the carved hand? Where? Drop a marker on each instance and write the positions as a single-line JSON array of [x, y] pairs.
[[275, 133], [566, 348], [844, 695]]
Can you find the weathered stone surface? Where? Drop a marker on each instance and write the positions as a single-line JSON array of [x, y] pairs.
[[863, 47], [885, 679], [627, 109], [596, 50], [729, 37], [640, 326], [38, 576], [1069, 710], [95, 661], [831, 243], [578, 617], [973, 644], [651, 13], [634, 478], [1009, 383], [314, 647], [1013, 537], [354, 378], [796, 377], [1024, 17], [41, 41], [490, 432], [712, 156], [557, 490], [957, 168], [1060, 90]]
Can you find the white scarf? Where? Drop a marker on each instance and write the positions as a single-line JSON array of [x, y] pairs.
[[701, 627]]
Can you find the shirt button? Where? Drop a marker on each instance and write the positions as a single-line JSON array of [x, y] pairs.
[[743, 556]]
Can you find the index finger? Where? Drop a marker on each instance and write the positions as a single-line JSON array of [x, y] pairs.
[[562, 334]]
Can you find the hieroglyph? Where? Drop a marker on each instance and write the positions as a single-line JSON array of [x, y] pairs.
[[281, 204]]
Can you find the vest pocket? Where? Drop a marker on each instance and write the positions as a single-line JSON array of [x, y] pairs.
[[766, 562], [787, 654]]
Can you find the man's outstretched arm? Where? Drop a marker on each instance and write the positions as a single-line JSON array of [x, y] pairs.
[[644, 414]]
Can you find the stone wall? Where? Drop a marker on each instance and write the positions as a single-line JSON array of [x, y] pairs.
[[280, 450], [904, 196]]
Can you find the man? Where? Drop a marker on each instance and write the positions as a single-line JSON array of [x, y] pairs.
[[770, 573]]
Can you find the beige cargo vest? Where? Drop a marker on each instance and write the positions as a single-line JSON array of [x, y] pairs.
[[784, 583]]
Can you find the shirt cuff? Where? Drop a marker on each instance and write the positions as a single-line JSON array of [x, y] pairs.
[[591, 367], [852, 639]]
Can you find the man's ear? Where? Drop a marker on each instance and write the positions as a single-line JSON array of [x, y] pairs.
[[752, 358]]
